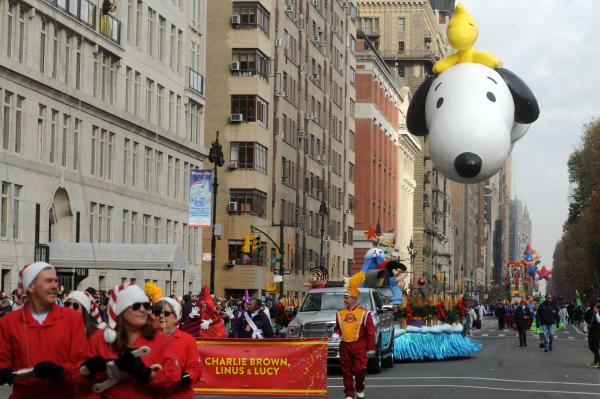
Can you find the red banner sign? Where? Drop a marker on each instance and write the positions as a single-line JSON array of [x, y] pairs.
[[263, 367]]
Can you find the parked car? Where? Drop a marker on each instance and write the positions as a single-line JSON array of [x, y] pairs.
[[316, 319]]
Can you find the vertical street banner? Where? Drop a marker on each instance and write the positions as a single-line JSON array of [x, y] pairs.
[[263, 367], [200, 206]]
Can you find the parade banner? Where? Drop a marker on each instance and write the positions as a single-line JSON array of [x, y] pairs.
[[200, 206], [263, 367]]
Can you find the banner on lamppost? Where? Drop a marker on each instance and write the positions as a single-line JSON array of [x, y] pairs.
[[200, 205]]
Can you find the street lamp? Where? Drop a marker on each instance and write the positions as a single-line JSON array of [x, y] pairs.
[[323, 213], [215, 156]]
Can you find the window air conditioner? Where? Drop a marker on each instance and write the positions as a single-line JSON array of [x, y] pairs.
[[348, 211], [280, 93], [233, 165], [310, 116], [236, 19], [311, 264], [236, 118], [334, 29], [232, 207], [301, 134], [301, 67], [234, 66], [316, 39], [289, 8], [231, 263]]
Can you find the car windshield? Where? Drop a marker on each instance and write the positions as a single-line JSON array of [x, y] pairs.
[[316, 301]]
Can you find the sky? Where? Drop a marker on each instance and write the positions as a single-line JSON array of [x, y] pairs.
[[553, 45]]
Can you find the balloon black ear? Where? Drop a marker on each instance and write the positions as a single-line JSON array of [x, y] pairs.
[[527, 109], [415, 116]]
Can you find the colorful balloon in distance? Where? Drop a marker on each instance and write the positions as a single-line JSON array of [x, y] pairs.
[[531, 270], [421, 281], [544, 273]]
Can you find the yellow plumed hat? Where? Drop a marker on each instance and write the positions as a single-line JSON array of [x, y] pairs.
[[355, 281], [153, 291]]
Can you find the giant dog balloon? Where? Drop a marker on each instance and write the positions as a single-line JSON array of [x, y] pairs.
[[473, 115]]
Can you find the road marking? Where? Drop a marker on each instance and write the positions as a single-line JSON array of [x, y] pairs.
[[502, 335], [472, 387], [485, 335], [571, 337], [478, 379]]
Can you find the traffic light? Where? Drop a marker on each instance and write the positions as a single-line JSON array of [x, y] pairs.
[[256, 244], [247, 247]]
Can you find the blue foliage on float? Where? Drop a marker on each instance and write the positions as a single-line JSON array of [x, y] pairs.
[[433, 343]]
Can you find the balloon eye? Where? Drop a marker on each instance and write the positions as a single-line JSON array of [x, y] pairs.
[[440, 101], [491, 96]]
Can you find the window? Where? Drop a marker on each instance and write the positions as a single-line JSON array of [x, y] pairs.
[[130, 24], [133, 227], [67, 60], [18, 123], [105, 76], [179, 49], [136, 93], [195, 115], [43, 48], [162, 33], [55, 53], [54, 136], [126, 161], [65, 140], [252, 62], [41, 131], [128, 82], [156, 230], [249, 155], [149, 99], [401, 24], [253, 108], [76, 135], [134, 163], [170, 172], [138, 24], [288, 173], [401, 47], [147, 228], [171, 124], [256, 258], [158, 171], [151, 30], [148, 165], [125, 235], [4, 209], [15, 32], [160, 105], [100, 223], [176, 178], [78, 64], [173, 48], [252, 15], [102, 153], [16, 210], [249, 201]]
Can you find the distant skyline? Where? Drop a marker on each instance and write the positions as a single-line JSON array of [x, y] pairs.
[[552, 45]]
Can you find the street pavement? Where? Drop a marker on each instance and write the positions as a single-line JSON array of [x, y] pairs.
[[500, 370]]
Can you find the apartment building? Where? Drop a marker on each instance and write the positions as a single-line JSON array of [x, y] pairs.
[[102, 120], [281, 90], [385, 162]]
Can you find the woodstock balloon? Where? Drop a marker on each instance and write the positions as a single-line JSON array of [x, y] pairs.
[[473, 111]]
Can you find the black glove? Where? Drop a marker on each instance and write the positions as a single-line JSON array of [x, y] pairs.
[[134, 367], [6, 376], [185, 378], [49, 370], [95, 365]]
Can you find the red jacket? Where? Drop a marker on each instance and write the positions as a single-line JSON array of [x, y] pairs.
[[24, 343], [186, 351], [163, 381]]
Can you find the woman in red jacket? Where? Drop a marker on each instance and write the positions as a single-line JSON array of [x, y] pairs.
[[168, 313], [131, 327]]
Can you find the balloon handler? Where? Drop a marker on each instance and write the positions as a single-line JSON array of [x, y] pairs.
[[355, 328]]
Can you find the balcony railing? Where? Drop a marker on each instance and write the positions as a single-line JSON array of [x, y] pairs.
[[196, 82], [84, 10], [110, 27]]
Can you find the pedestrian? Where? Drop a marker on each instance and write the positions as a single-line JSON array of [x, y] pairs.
[[186, 307], [5, 306], [547, 319], [168, 313], [43, 336], [523, 318], [500, 315], [85, 304], [563, 314], [355, 328], [481, 314], [254, 323], [592, 319], [131, 327]]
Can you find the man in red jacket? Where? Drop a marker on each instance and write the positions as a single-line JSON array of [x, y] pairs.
[[42, 336], [355, 328]]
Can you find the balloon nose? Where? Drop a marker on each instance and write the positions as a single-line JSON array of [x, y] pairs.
[[467, 165]]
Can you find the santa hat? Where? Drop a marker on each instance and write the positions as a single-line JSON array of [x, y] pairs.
[[121, 297], [355, 281], [89, 303], [174, 304], [26, 277]]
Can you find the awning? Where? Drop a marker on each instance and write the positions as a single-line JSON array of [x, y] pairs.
[[117, 256]]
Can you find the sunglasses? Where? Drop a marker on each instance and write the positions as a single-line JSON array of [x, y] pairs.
[[136, 306], [73, 305], [166, 313]]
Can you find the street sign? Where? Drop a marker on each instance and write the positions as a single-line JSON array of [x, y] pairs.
[[273, 260], [285, 271], [277, 279]]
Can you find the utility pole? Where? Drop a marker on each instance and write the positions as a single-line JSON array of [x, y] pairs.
[[281, 253], [215, 156]]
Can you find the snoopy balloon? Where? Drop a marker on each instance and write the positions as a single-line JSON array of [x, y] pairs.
[[473, 111]]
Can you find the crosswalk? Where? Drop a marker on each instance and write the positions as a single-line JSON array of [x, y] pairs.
[[568, 334]]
